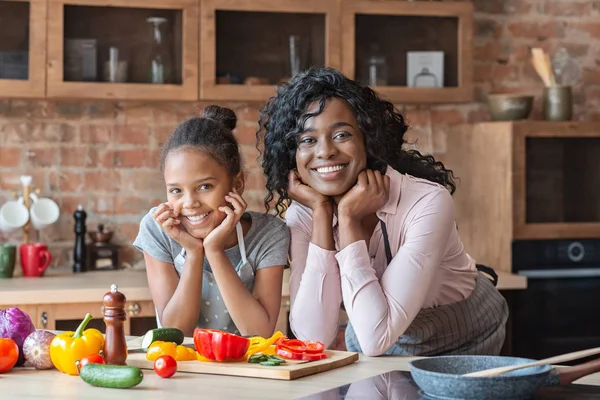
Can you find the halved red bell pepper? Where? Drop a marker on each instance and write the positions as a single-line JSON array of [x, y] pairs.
[[294, 349], [218, 345], [300, 346], [290, 355]]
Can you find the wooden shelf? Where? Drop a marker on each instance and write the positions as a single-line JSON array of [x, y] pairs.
[[123, 24], [23, 29], [390, 29], [234, 50], [254, 56], [523, 181]]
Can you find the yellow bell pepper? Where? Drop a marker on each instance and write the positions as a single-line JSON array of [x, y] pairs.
[[179, 353], [69, 347], [270, 351], [185, 353], [259, 344], [160, 348]]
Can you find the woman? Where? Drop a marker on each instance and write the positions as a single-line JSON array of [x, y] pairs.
[[372, 226], [210, 263]]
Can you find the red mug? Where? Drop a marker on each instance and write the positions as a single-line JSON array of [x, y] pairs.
[[35, 258]]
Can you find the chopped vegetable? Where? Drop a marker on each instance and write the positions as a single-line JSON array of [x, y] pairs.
[[162, 335], [160, 348], [300, 346], [69, 347], [294, 349], [184, 353], [266, 360], [180, 353], [16, 325], [259, 344], [218, 345]]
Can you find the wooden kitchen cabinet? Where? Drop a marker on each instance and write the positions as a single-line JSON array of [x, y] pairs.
[[526, 180], [63, 317], [84, 36], [22, 48], [378, 35], [246, 45]]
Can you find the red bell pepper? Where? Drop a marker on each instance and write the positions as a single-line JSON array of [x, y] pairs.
[[300, 346], [294, 349], [290, 355], [218, 345]]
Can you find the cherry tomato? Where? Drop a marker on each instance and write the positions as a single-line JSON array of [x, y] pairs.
[[9, 354], [91, 359], [165, 366]]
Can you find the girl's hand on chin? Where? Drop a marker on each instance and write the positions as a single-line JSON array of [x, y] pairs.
[[306, 195], [368, 195], [215, 241], [170, 221]]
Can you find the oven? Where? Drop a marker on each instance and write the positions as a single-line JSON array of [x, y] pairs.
[[559, 312]]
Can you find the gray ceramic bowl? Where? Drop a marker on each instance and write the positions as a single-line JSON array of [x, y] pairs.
[[510, 107], [440, 377]]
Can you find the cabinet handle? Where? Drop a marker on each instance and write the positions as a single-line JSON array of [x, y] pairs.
[[134, 309], [44, 319]]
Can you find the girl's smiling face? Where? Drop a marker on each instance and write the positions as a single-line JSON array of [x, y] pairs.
[[196, 187], [331, 149]]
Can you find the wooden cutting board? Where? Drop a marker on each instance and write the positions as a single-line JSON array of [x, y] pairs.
[[288, 371]]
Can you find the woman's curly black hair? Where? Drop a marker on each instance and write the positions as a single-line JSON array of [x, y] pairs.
[[282, 120]]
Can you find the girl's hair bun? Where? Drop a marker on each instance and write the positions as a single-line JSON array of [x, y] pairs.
[[222, 114]]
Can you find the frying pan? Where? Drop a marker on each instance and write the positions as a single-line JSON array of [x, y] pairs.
[[441, 377]]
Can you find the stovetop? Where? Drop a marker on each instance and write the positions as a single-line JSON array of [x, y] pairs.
[[399, 385]]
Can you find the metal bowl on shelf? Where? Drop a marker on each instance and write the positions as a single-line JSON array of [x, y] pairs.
[[510, 106]]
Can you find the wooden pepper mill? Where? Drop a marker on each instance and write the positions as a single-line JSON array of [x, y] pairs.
[[115, 346]]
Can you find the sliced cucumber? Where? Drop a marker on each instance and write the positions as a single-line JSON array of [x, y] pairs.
[[266, 360], [270, 363], [162, 334], [111, 376]]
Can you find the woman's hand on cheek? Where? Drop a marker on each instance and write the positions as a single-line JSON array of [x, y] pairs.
[[215, 241], [306, 195], [169, 219], [368, 195]]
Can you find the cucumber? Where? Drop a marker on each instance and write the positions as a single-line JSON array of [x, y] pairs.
[[266, 360], [111, 376], [162, 334], [270, 363]]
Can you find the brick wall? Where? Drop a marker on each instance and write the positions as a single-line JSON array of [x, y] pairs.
[[104, 155]]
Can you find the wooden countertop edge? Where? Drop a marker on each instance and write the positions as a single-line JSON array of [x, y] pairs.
[[85, 288]]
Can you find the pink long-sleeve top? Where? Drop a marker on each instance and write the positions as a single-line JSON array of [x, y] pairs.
[[429, 268]]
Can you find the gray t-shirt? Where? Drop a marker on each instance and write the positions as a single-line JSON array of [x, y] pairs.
[[267, 244]]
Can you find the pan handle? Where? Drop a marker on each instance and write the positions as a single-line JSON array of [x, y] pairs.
[[569, 375]]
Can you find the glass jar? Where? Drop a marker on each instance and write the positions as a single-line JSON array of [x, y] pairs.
[[161, 65], [376, 71]]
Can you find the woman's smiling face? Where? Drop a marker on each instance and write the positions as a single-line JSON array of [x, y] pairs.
[[331, 149], [196, 187]]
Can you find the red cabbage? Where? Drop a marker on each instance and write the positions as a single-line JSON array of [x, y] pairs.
[[16, 325]]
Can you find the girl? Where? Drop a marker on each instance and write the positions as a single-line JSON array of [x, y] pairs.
[[372, 227], [211, 264]]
